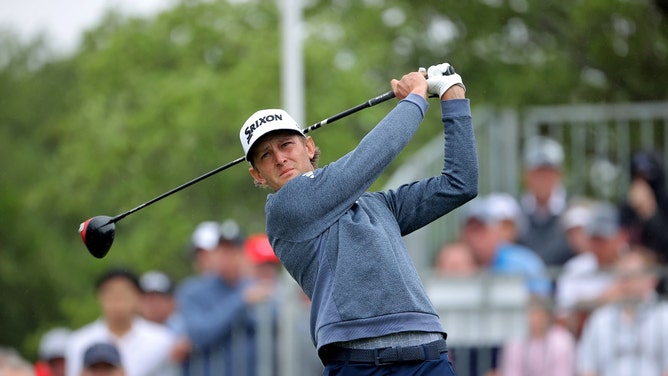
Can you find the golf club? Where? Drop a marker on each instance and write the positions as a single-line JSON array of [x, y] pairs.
[[98, 232]]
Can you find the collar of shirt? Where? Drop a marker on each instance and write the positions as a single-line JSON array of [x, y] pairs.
[[555, 205]]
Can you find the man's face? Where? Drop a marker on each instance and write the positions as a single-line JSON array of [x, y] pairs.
[[635, 280], [57, 366], [456, 259], [102, 369], [230, 261], [539, 321], [483, 238], [280, 157], [605, 248], [541, 181], [156, 306], [119, 299]]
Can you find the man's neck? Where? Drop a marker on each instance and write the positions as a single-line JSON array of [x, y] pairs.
[[119, 328]]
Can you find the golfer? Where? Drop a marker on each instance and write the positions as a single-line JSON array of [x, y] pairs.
[[344, 246]]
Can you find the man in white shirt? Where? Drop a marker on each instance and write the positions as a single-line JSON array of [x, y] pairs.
[[586, 281], [144, 346], [629, 336]]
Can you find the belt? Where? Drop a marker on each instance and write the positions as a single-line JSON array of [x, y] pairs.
[[387, 355]]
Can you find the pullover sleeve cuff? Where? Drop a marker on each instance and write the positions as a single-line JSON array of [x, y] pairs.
[[456, 108], [417, 100]]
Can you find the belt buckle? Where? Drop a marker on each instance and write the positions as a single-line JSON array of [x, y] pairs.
[[377, 355]]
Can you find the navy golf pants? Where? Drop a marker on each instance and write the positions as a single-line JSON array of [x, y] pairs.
[[440, 367]]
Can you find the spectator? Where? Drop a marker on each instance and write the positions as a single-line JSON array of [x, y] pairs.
[[645, 212], [544, 201], [157, 300], [455, 259], [13, 364], [158, 305], [216, 309], [102, 359], [483, 232], [574, 221], [52, 350], [265, 264], [202, 242], [630, 335], [586, 281], [549, 349], [508, 213], [144, 346]]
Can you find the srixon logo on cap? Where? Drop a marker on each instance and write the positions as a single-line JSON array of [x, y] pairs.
[[263, 120]]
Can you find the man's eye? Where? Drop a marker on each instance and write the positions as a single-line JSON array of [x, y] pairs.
[[264, 155]]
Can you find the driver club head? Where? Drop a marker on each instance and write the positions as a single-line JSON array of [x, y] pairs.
[[98, 234]]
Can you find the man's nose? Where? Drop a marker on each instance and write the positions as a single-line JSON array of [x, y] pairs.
[[279, 157]]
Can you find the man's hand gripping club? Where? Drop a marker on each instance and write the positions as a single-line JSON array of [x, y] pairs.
[[444, 82], [441, 80]]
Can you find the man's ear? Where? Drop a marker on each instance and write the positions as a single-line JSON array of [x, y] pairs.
[[257, 176], [310, 147]]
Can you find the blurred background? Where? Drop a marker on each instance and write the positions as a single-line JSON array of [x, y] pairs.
[[142, 100]]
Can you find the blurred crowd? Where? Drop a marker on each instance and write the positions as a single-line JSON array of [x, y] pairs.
[[592, 271], [207, 324]]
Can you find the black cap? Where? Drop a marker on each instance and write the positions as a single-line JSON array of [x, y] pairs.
[[647, 165], [118, 272], [102, 353]]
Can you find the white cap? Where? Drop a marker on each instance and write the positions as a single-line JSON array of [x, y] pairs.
[[543, 151], [53, 343], [494, 208], [576, 216], [503, 207], [155, 281], [263, 122], [206, 236]]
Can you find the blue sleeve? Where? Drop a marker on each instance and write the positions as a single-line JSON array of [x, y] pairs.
[[328, 192], [515, 259], [420, 203], [208, 316]]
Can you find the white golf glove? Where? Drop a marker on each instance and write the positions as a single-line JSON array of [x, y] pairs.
[[441, 77]]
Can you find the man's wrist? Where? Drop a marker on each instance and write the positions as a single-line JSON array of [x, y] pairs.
[[419, 101], [454, 92]]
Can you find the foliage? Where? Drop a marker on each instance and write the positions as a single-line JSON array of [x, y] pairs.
[[147, 103]]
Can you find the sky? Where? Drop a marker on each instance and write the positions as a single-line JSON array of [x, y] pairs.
[[63, 21]]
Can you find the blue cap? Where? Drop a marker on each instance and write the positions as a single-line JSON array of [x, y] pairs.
[[604, 222], [102, 353]]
